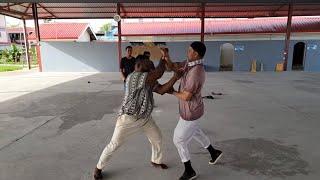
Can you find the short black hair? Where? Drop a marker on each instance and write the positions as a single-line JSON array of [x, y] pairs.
[[146, 52], [144, 63], [199, 47], [140, 57], [128, 47]]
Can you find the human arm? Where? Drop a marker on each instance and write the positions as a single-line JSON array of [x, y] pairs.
[[156, 74], [168, 86], [174, 66], [122, 70], [193, 83]]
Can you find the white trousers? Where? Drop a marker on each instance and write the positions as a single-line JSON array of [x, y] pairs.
[[127, 126], [184, 132]]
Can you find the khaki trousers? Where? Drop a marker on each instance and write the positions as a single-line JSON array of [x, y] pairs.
[[128, 125]]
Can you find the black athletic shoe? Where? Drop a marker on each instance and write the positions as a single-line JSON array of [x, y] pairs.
[[215, 157], [188, 175], [97, 175]]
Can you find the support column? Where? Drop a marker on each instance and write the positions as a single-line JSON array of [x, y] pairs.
[[202, 21], [119, 36], [36, 26], [26, 43], [288, 36]]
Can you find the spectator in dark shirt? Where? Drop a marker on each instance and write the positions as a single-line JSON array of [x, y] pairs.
[[127, 64]]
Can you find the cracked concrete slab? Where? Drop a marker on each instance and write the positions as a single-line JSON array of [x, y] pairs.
[[55, 125]]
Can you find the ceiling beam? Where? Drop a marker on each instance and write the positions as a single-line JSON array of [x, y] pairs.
[[13, 12], [47, 10]]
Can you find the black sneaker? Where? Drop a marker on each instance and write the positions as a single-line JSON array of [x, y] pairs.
[[97, 175], [215, 158], [188, 175]]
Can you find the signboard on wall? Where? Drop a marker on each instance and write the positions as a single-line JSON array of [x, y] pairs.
[[239, 48], [312, 47], [153, 47]]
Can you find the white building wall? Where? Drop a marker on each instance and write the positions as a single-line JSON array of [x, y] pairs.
[[2, 21], [85, 37], [223, 37], [3, 33]]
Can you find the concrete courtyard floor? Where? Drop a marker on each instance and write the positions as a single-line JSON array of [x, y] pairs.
[[53, 126]]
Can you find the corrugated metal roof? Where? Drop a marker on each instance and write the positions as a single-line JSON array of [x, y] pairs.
[[225, 26], [158, 10], [61, 30], [18, 29], [50, 31]]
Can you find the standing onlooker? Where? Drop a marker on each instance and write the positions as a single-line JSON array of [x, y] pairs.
[[127, 64]]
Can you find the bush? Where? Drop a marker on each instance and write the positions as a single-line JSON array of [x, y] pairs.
[[33, 55], [12, 55]]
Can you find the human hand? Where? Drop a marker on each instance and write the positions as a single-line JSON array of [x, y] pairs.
[[167, 58], [164, 52]]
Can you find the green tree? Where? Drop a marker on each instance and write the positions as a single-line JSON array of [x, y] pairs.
[[106, 27], [33, 55], [15, 53]]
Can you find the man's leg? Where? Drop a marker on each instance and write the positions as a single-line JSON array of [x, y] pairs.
[[205, 143], [200, 136], [153, 133], [183, 133], [116, 141], [124, 128]]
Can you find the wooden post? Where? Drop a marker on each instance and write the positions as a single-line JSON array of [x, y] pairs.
[[288, 35], [26, 43], [119, 36], [202, 21], [36, 26]]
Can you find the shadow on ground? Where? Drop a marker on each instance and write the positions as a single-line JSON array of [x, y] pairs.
[[73, 105]]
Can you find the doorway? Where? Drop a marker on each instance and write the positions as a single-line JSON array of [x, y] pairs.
[[226, 57], [298, 56]]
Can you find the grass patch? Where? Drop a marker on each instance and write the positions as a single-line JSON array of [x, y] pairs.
[[4, 68]]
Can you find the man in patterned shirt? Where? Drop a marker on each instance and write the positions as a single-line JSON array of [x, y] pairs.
[[135, 112]]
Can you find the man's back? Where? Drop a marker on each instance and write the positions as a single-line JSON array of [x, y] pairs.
[[138, 100]]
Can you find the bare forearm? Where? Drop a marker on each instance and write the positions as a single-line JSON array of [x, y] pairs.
[[157, 73], [162, 89], [159, 70], [122, 74], [174, 66]]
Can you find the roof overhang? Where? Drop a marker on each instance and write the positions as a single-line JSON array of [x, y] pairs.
[[100, 9]]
